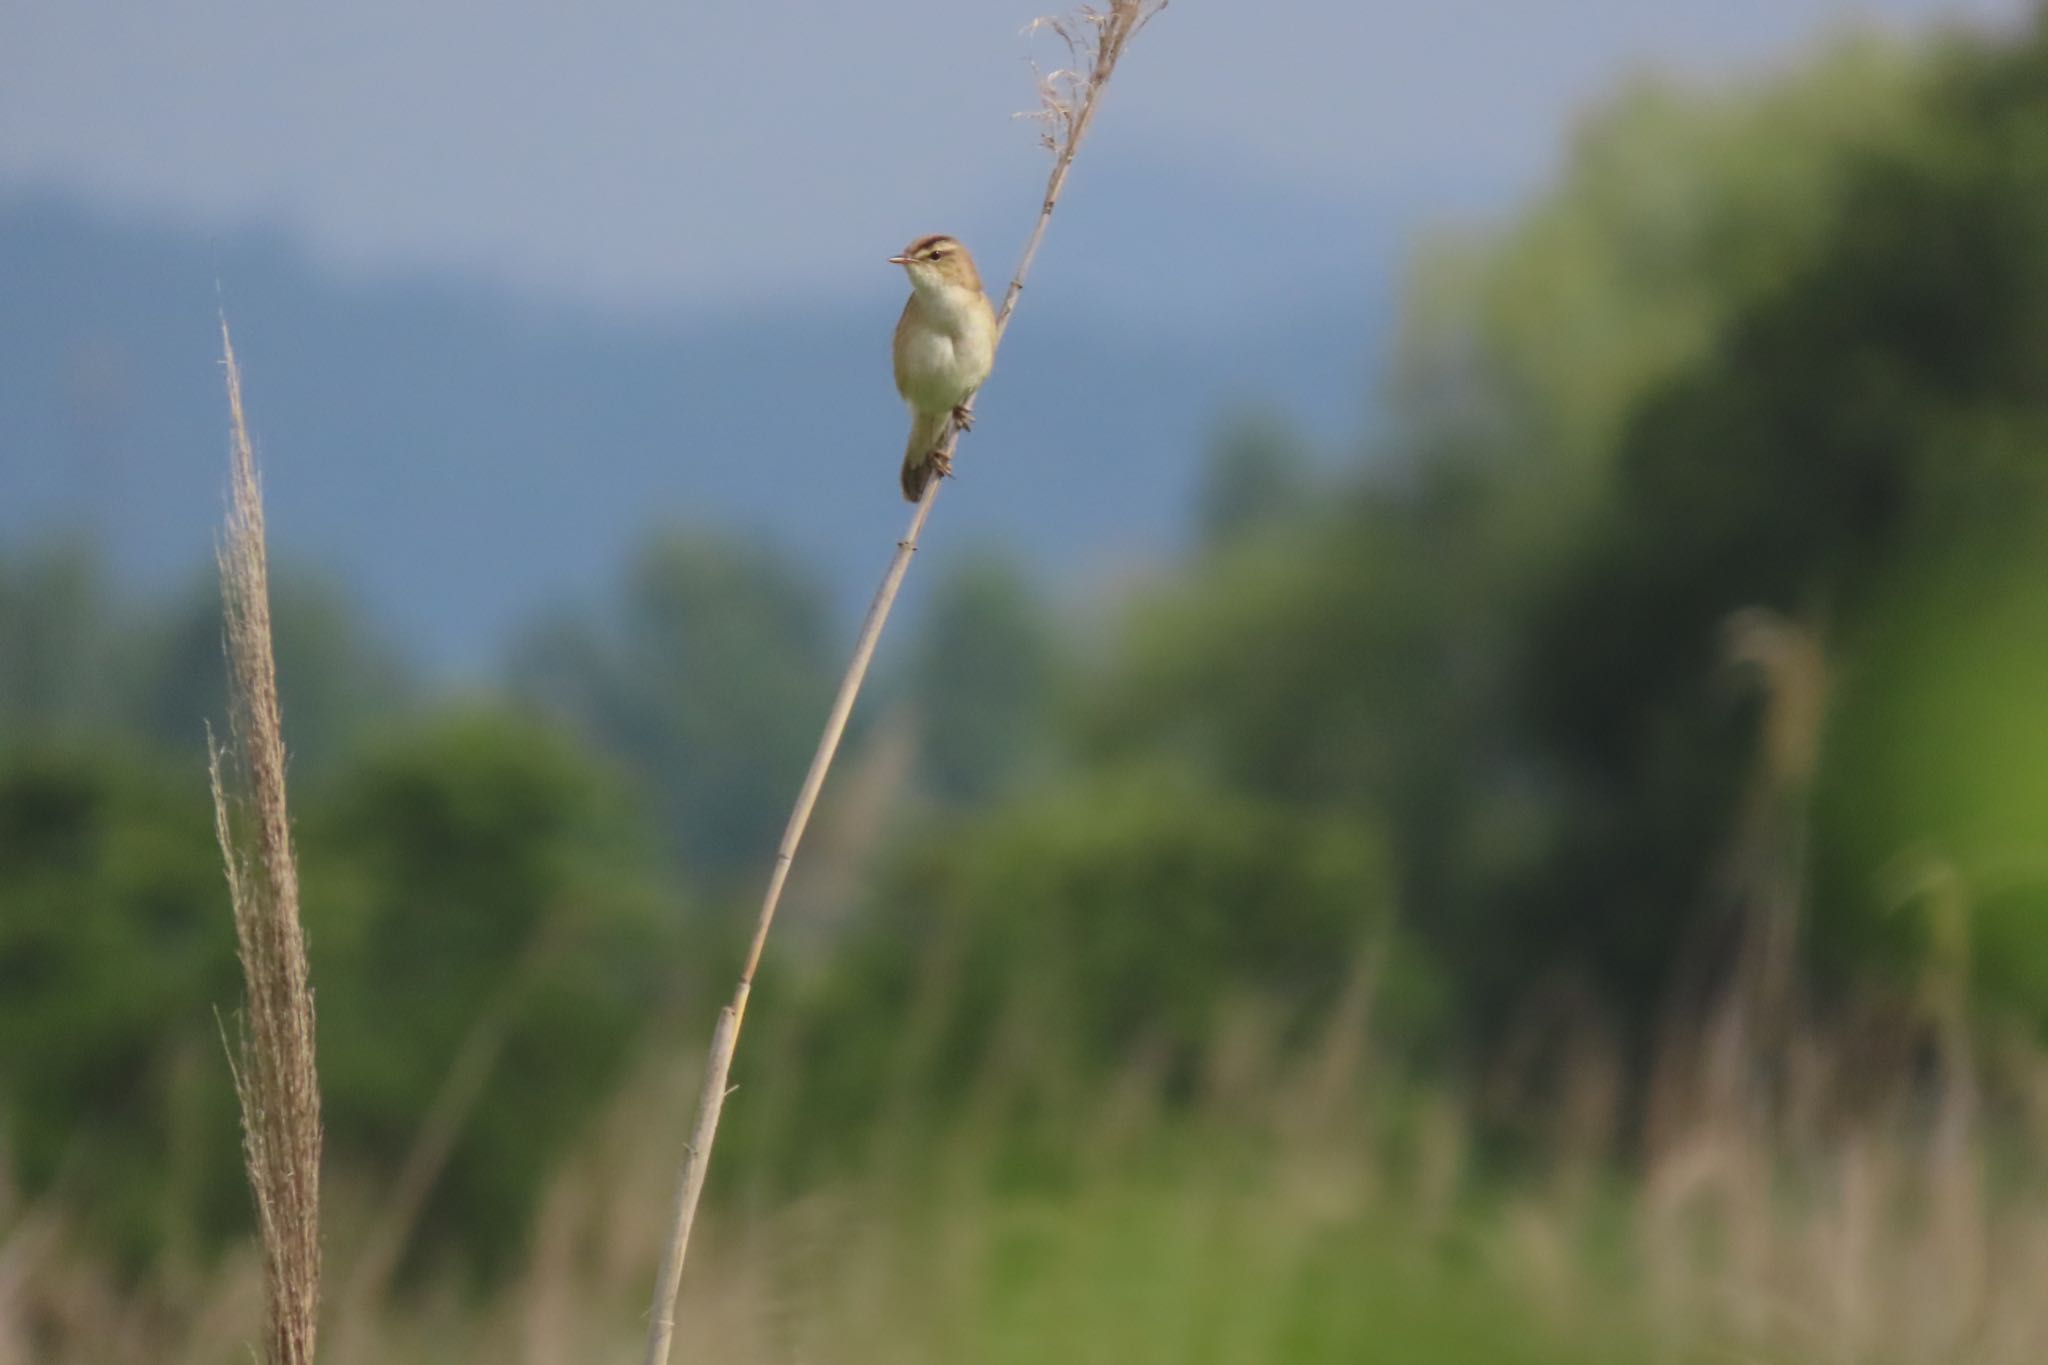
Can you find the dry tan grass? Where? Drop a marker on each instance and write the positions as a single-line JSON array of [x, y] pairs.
[[275, 1076], [1864, 1225]]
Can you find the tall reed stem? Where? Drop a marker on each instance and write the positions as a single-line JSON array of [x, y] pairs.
[[1095, 39]]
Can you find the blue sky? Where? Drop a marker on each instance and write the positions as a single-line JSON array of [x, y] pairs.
[[653, 153]]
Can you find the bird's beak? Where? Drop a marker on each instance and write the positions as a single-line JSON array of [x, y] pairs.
[[899, 260]]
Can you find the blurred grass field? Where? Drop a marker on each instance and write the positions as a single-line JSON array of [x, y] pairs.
[[1302, 1206]]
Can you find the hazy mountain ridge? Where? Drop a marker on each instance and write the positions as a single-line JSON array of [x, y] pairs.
[[458, 456]]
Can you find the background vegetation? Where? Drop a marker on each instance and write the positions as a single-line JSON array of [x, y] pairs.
[[1563, 883]]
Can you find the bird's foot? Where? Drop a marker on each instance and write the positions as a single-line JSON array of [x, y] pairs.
[[963, 417], [942, 465]]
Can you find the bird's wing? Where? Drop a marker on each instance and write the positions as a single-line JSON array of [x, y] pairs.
[[896, 347]]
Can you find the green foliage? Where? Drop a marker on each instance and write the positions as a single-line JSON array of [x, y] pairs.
[[706, 683], [1884, 402], [1064, 934], [1144, 905], [115, 948], [1761, 348], [55, 674], [982, 683], [1258, 477], [336, 680], [1931, 802], [1353, 662], [1676, 210], [477, 866], [77, 659], [473, 875], [1136, 1269], [1303, 665], [1479, 649]]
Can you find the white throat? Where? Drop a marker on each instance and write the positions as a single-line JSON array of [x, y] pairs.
[[947, 299]]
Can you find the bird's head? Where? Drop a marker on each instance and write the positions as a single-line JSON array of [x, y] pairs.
[[938, 262]]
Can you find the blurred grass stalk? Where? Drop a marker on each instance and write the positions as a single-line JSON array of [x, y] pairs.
[[1095, 39], [275, 1078], [1290, 1199]]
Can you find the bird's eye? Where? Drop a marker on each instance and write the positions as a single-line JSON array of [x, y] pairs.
[[933, 257]]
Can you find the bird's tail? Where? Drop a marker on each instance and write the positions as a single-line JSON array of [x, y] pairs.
[[927, 434]]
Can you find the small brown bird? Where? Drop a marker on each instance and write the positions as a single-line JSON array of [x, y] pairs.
[[945, 345]]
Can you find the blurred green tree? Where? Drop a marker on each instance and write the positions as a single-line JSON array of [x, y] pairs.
[[115, 949], [1120, 919], [982, 681], [706, 682], [78, 659], [1933, 806], [57, 642], [337, 681], [474, 870], [1754, 349], [1349, 663], [1676, 210], [1883, 403], [1259, 474], [475, 853]]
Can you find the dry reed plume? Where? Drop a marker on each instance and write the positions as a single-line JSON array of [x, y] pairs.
[[274, 1072], [1095, 40]]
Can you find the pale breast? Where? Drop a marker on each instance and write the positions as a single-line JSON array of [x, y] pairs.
[[942, 354], [928, 368]]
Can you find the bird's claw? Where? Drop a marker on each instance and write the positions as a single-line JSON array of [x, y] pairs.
[[942, 465], [963, 417]]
